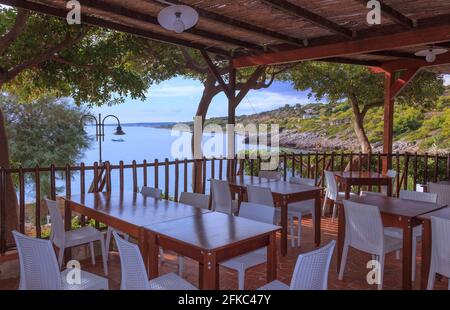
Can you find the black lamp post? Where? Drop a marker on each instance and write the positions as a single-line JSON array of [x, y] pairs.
[[100, 129]]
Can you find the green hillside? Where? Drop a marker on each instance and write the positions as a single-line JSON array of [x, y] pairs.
[[324, 126]]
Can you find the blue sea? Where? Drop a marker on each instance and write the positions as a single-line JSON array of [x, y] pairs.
[[141, 143]]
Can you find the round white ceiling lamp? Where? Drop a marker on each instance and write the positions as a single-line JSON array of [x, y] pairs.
[[178, 18], [431, 53]]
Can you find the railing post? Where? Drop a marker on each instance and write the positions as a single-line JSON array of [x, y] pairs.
[[177, 179], [284, 166], [135, 181], [166, 178], [406, 171], [2, 210], [156, 166], [144, 172], [21, 200], [436, 167], [52, 182], [121, 177], [37, 213]]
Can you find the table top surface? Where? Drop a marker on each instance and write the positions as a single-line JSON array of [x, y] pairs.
[[361, 175], [396, 206], [442, 213], [287, 188], [134, 208], [212, 231], [245, 180]]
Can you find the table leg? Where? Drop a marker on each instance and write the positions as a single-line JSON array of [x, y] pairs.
[[209, 272], [426, 254], [389, 188], [407, 255], [152, 255], [272, 258], [284, 225], [348, 188], [317, 218], [340, 237]]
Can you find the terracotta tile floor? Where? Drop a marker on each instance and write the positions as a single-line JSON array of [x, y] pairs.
[[354, 278]]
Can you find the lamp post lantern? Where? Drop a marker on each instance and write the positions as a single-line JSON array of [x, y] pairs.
[[100, 129]]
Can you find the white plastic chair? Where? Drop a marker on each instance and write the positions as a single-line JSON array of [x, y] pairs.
[[72, 238], [440, 250], [442, 191], [306, 207], [332, 193], [417, 231], [271, 175], [135, 277], [221, 197], [364, 231], [263, 196], [39, 268], [310, 273], [197, 200], [256, 212], [146, 192], [383, 189]]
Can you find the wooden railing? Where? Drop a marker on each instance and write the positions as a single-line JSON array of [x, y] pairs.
[[174, 177]]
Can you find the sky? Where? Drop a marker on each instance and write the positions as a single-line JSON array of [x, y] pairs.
[[176, 100]]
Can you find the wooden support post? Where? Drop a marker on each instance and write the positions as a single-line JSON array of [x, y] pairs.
[[392, 87], [388, 120], [231, 113]]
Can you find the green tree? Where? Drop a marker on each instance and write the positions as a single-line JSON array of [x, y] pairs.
[[42, 55], [362, 89], [44, 132]]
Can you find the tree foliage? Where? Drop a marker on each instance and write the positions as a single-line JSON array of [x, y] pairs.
[[43, 132], [362, 89]]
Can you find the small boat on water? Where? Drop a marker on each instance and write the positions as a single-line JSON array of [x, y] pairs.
[[118, 140]]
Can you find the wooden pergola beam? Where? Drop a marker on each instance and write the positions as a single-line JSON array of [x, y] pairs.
[[395, 54], [349, 61], [149, 19], [392, 87], [411, 63], [424, 36], [240, 24], [312, 17], [62, 13], [213, 69], [393, 14]]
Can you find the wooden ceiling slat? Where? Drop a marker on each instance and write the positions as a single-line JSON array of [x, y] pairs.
[[393, 14], [312, 17], [414, 37], [395, 54], [62, 13], [114, 9], [240, 24]]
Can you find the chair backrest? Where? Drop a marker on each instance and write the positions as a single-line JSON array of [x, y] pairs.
[[440, 232], [195, 199], [134, 275], [302, 181], [38, 265], [332, 189], [363, 227], [151, 192], [260, 195], [311, 270], [257, 212], [392, 174], [58, 233], [221, 196], [271, 175], [442, 191], [418, 196]]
